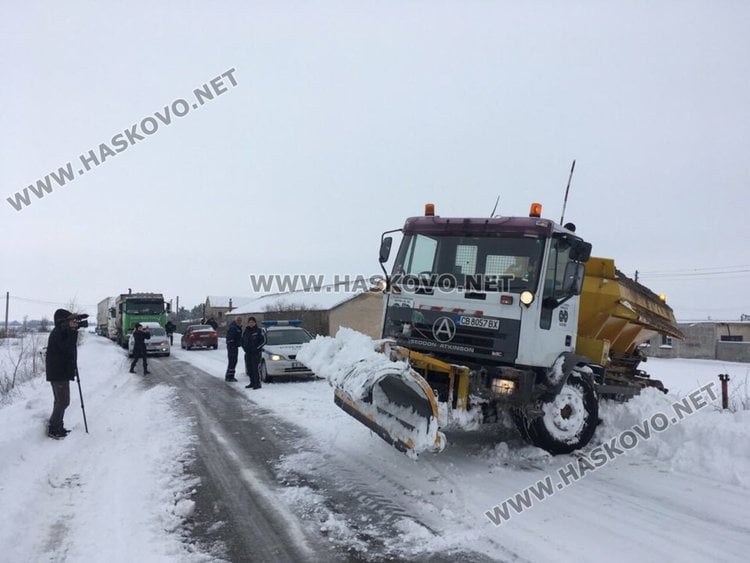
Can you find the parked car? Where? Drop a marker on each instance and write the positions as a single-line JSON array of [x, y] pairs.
[[157, 345], [199, 336], [283, 341]]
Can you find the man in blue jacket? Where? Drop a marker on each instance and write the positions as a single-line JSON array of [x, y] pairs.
[[61, 364], [234, 340], [253, 340]]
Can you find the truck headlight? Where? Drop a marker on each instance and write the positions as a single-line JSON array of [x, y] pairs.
[[527, 298], [503, 386]]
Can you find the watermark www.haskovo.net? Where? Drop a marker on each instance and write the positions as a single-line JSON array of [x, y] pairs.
[[123, 140], [601, 455], [283, 283]]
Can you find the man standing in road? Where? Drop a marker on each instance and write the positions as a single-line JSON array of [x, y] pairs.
[[234, 339], [253, 340], [170, 327], [140, 335], [61, 364]]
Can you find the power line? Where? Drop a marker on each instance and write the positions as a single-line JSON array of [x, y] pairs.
[[687, 270], [694, 274], [29, 300], [736, 308]]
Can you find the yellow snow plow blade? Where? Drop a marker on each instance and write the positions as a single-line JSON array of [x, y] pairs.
[[396, 403]]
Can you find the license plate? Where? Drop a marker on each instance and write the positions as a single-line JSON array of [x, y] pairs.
[[479, 322], [298, 365]]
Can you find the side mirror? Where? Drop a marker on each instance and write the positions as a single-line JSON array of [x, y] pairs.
[[385, 249], [169, 307], [581, 252], [573, 281]]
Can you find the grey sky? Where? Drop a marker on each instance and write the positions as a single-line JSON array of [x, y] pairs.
[[348, 117]]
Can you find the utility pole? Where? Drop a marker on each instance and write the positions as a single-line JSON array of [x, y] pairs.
[[7, 301], [636, 275], [177, 308]]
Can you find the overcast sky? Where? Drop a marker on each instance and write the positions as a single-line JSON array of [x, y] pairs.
[[347, 117]]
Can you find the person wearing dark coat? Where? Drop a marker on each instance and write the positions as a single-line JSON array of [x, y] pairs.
[[140, 335], [234, 341], [212, 323], [170, 327], [61, 365], [253, 340]]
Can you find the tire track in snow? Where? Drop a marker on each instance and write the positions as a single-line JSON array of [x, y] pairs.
[[234, 448]]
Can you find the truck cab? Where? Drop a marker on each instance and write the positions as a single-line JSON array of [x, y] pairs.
[[496, 299], [133, 308], [486, 292]]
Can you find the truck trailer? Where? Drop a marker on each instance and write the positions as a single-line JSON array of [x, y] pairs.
[[105, 319]]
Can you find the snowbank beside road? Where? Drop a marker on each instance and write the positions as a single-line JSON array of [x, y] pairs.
[[119, 493], [710, 442]]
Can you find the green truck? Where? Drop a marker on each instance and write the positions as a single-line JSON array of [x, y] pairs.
[[132, 308]]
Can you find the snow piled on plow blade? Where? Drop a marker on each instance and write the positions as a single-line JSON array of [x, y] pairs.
[[388, 397]]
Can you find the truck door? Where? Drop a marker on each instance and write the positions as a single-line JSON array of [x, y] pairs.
[[553, 329]]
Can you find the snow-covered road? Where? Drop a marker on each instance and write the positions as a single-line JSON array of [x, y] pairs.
[[680, 496], [127, 491]]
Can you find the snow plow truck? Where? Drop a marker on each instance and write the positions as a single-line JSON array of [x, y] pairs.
[[502, 315]]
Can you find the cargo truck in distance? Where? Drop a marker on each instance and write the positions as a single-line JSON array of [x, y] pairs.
[[132, 308], [502, 315], [105, 319]]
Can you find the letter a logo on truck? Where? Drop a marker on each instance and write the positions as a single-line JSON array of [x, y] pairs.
[[444, 329]]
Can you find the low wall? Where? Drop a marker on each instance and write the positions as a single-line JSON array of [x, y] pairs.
[[733, 351]]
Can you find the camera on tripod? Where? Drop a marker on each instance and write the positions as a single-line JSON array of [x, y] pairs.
[[80, 320]]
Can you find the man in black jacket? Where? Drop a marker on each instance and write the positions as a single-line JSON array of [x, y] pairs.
[[234, 340], [170, 327], [253, 340], [62, 355], [140, 335]]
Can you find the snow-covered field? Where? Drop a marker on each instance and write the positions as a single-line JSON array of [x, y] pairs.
[[119, 493]]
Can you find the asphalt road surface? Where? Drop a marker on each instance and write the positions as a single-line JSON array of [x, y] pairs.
[[240, 514]]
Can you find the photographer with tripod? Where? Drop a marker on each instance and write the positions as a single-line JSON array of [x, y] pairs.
[[62, 367]]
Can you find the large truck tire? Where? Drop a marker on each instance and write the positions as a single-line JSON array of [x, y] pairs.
[[569, 418]]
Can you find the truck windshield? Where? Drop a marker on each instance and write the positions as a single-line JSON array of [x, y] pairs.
[[144, 307], [487, 263]]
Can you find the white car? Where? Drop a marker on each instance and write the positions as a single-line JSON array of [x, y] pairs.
[[157, 345], [283, 341]]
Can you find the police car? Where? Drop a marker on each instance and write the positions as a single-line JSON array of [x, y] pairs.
[[283, 341]]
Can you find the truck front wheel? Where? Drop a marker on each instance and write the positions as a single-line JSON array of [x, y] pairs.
[[569, 418]]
